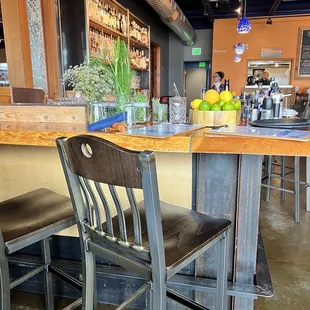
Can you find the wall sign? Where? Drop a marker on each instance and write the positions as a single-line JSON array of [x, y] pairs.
[[196, 51], [303, 54], [271, 52]]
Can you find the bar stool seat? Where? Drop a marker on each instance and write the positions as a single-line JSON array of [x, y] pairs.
[[25, 220], [31, 212], [184, 231]]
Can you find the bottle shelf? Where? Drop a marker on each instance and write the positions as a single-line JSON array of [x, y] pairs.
[[107, 30], [134, 42], [136, 68], [139, 69]]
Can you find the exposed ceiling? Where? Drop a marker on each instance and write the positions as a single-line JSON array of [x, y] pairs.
[[200, 13]]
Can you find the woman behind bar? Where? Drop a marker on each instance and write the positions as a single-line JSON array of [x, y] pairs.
[[217, 81]]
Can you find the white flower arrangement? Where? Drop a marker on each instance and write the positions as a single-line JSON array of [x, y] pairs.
[[93, 80]]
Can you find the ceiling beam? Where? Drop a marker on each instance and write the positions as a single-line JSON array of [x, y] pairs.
[[208, 10], [274, 7]]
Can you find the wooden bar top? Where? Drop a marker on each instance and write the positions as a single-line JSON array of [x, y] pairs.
[[45, 134]]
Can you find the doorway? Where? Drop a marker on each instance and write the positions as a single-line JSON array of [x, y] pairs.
[[196, 77]]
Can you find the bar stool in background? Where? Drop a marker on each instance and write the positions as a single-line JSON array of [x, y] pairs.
[[153, 239], [270, 174], [25, 220], [270, 162]]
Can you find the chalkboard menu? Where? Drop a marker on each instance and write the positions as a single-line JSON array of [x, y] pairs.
[[304, 56]]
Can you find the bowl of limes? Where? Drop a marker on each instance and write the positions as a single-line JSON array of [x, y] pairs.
[[216, 109]]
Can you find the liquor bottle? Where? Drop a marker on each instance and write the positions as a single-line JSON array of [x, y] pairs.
[[124, 25], [226, 85], [120, 26]]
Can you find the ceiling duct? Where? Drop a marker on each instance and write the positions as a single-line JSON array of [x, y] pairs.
[[175, 19]]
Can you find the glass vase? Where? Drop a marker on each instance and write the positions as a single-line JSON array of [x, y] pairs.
[[98, 111]]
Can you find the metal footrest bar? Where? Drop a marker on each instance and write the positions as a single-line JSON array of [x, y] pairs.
[[290, 180], [74, 305], [137, 294], [286, 167], [279, 188], [187, 302], [284, 189], [26, 276], [66, 277]]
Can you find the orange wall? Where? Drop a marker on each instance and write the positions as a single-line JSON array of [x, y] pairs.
[[283, 33]]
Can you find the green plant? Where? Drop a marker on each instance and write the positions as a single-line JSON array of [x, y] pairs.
[[122, 73], [141, 111], [139, 97], [93, 80]]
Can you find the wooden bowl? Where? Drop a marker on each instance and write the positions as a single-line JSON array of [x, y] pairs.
[[215, 118]]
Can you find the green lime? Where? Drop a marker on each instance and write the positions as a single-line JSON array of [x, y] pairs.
[[204, 106], [228, 107], [221, 102], [215, 107], [237, 103]]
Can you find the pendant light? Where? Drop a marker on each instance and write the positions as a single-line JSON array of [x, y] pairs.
[[244, 25]]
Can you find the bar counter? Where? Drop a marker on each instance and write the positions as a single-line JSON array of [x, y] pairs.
[[45, 134], [216, 174]]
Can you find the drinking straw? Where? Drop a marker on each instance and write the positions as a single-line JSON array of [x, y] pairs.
[[176, 90]]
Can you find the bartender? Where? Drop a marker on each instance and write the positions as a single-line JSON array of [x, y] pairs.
[[217, 81], [264, 80]]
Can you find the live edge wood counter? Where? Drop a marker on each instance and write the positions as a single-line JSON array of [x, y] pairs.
[[45, 134]]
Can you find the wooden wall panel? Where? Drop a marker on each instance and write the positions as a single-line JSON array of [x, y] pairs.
[[51, 47], [17, 43]]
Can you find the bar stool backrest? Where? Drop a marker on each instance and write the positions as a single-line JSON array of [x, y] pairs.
[[89, 161], [27, 95]]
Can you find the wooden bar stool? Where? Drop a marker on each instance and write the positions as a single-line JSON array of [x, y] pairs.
[[153, 239], [27, 95], [25, 220]]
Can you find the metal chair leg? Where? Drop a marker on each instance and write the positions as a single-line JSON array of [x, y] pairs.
[[283, 177], [265, 169], [90, 290], [308, 182], [4, 278], [268, 181], [48, 277], [158, 294], [221, 285], [297, 189]]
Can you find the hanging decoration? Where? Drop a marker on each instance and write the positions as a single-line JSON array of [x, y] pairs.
[[237, 58], [239, 48], [244, 25]]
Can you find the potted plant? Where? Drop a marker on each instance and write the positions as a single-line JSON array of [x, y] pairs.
[[93, 81], [122, 74], [102, 77]]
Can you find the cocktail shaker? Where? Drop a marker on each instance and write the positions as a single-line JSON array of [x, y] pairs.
[[267, 106]]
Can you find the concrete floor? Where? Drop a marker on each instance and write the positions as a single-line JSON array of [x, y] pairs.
[[288, 251]]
